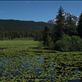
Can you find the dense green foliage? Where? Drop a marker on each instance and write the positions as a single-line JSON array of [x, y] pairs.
[[66, 34], [70, 27], [11, 29], [60, 20], [79, 29], [68, 43], [27, 61], [46, 36]]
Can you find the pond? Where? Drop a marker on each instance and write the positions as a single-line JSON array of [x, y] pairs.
[[31, 68], [76, 80], [25, 66]]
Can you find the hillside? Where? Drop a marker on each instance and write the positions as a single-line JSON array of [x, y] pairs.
[[17, 25]]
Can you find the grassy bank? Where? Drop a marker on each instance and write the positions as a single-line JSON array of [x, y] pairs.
[[27, 61]]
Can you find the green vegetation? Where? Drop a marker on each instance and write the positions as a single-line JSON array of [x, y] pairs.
[[30, 54], [68, 43], [27, 61], [11, 29], [66, 34], [79, 29]]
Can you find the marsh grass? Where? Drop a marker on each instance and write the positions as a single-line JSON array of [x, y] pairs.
[[26, 60]]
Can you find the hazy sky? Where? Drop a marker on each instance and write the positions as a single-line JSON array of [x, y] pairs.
[[37, 10]]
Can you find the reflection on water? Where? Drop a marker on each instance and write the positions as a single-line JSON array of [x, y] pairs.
[[31, 67], [76, 80]]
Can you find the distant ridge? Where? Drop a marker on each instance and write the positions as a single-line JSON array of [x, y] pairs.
[[20, 25]]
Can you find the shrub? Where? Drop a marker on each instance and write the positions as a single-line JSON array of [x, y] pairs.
[[67, 43], [63, 44], [76, 43]]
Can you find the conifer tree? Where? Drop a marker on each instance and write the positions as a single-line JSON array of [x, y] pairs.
[[70, 25], [79, 29], [46, 36], [60, 21]]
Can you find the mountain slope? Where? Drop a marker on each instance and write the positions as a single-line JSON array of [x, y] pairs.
[[16, 25]]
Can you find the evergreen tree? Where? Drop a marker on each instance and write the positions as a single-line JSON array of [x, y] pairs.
[[46, 36], [60, 21], [79, 29], [70, 24]]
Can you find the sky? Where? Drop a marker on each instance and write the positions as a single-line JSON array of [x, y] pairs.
[[37, 10]]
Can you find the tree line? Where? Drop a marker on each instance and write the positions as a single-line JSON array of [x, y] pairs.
[[11, 29], [66, 34]]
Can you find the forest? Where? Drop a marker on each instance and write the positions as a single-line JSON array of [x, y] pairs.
[[11, 29], [41, 52], [64, 35]]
